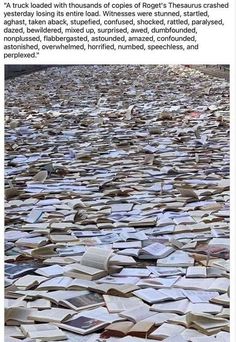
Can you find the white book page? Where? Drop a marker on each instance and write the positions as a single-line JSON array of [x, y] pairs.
[[117, 304], [96, 257], [138, 314]]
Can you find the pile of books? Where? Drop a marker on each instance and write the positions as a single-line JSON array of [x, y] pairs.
[[117, 205]]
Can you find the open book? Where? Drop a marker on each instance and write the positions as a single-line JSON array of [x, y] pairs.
[[183, 306], [121, 329], [158, 283], [96, 258], [18, 315], [13, 332], [138, 313], [205, 272], [62, 283], [166, 330], [222, 299], [76, 300], [83, 325], [133, 272], [178, 259], [166, 271], [50, 271], [206, 323], [19, 269], [155, 251], [116, 304], [209, 284], [43, 332], [28, 281], [118, 280], [152, 296], [83, 272], [52, 315], [115, 290]]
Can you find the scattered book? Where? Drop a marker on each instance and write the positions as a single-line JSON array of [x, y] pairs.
[[43, 332], [76, 300], [83, 325], [152, 296], [116, 290], [166, 330], [121, 329], [50, 271], [137, 314], [157, 283], [209, 284], [52, 315], [17, 270], [166, 271], [178, 259], [155, 250], [83, 272], [184, 306], [116, 304], [18, 315], [96, 258], [133, 272]]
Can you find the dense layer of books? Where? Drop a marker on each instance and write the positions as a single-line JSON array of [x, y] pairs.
[[117, 205]]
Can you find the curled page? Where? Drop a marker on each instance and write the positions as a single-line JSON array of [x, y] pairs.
[[97, 258]]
